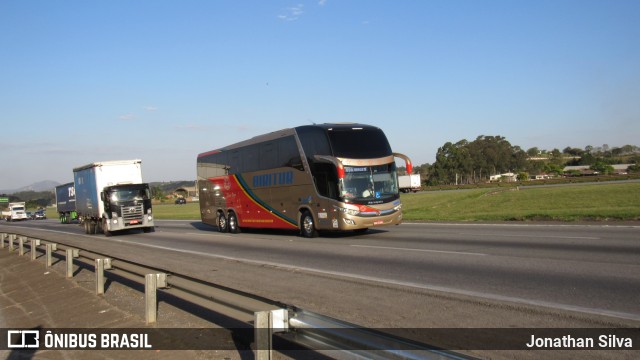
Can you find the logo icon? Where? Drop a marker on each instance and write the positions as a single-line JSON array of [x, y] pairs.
[[23, 339]]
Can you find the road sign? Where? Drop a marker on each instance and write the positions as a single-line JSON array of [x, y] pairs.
[[4, 199]]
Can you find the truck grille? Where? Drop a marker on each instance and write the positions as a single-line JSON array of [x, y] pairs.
[[132, 214]]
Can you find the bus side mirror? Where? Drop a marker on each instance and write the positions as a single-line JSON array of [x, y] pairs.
[[296, 163], [407, 161]]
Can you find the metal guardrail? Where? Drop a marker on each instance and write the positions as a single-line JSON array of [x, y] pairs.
[[311, 330], [321, 332]]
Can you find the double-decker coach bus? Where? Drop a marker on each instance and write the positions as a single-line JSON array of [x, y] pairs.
[[311, 178]]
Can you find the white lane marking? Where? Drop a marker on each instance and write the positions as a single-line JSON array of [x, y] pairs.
[[532, 224], [535, 236], [421, 250]]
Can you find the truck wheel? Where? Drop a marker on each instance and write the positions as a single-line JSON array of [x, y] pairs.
[[233, 224], [222, 223], [307, 225], [105, 230], [148, 229], [93, 228]]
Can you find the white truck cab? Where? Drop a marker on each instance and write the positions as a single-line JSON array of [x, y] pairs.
[[17, 212]]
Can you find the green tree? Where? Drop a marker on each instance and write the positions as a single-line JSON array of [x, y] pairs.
[[602, 168], [423, 170], [533, 152], [556, 157], [157, 193], [469, 162], [443, 170], [551, 168]]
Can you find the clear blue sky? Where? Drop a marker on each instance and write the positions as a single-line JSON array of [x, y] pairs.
[[86, 81]]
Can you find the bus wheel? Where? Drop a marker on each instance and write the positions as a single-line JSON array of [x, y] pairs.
[[233, 224], [307, 226], [222, 223]]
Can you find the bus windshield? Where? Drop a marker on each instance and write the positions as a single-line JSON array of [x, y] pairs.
[[369, 184], [359, 143]]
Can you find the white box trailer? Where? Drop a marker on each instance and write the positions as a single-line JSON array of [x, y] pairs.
[[407, 183], [110, 196]]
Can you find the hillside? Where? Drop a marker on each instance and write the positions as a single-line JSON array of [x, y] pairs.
[[45, 185], [171, 186]]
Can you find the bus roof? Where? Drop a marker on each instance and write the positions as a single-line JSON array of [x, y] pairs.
[[289, 131]]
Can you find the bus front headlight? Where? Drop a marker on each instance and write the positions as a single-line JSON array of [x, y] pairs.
[[347, 211]]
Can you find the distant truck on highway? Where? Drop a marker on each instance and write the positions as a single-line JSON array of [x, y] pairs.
[[66, 203], [408, 183], [110, 197], [16, 212]]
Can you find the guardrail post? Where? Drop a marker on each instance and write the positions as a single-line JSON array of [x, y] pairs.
[[50, 249], [71, 253], [100, 266], [262, 335], [2, 236], [34, 243], [21, 245], [265, 324], [11, 238], [151, 284]]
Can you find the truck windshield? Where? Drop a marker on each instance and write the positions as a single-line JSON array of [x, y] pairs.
[[369, 184], [130, 194]]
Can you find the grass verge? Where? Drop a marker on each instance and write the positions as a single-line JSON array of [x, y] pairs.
[[605, 201], [566, 203]]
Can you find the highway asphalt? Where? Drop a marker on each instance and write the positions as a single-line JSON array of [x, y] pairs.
[[328, 275]]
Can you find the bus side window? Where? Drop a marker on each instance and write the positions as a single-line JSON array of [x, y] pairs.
[[269, 156], [326, 179], [288, 153]]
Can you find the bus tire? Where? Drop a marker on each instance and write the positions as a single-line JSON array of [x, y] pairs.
[[307, 225], [232, 224], [223, 225]]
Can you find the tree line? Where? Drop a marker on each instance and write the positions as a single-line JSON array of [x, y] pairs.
[[471, 162], [33, 199], [463, 162], [41, 199]]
